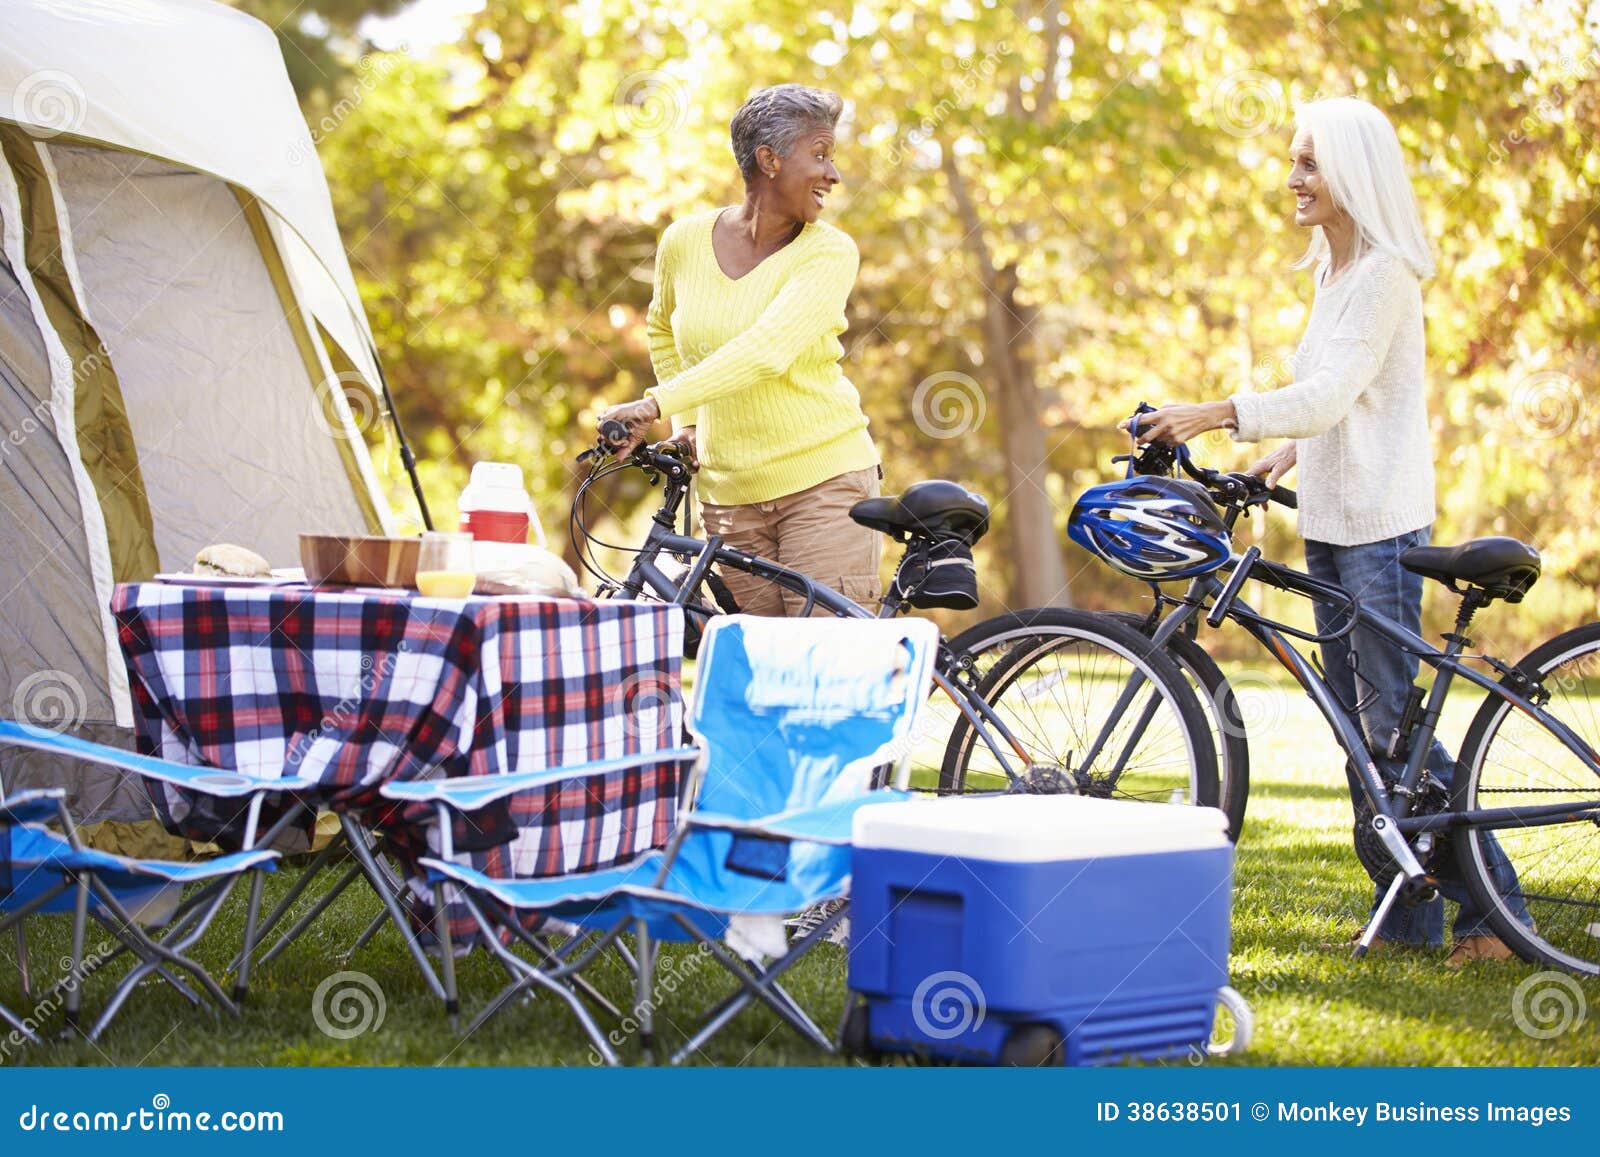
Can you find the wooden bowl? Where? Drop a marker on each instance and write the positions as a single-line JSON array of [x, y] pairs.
[[359, 560]]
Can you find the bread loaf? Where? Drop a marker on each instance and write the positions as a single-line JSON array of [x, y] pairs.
[[229, 561]]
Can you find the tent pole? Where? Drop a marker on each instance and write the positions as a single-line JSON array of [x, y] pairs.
[[407, 458]]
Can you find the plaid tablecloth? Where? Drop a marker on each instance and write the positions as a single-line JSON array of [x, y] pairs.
[[354, 689]]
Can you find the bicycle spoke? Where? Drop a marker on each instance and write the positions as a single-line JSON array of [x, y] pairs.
[[1556, 863]]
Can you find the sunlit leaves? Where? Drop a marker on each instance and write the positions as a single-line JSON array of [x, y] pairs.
[[502, 200]]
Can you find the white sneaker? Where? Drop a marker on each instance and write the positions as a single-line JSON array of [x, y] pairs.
[[808, 921]]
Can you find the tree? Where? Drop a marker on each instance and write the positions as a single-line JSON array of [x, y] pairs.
[[1062, 211]]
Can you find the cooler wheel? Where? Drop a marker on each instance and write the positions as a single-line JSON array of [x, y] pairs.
[[1032, 1046], [1244, 1023], [855, 1031]]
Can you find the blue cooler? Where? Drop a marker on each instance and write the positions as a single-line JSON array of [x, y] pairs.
[[1028, 928]]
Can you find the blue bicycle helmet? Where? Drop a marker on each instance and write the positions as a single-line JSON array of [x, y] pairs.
[[1151, 527]]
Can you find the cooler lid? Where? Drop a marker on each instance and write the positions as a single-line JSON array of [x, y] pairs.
[[1038, 828]]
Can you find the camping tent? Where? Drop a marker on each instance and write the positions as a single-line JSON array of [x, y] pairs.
[[180, 340]]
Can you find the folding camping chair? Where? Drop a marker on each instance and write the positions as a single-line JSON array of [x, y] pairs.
[[38, 868], [793, 718]]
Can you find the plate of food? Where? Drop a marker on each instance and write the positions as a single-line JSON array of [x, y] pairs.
[[227, 565]]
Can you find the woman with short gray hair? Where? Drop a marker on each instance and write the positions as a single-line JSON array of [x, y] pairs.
[[744, 338]]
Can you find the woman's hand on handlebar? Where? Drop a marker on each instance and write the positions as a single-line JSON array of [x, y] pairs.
[[637, 417], [1179, 423], [1275, 465], [691, 454]]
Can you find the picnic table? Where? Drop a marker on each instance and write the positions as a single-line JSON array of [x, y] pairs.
[[353, 688]]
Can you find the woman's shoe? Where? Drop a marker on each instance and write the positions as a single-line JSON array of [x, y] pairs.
[[1472, 948]]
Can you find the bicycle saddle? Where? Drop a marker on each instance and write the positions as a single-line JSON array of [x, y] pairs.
[[932, 509], [1503, 567]]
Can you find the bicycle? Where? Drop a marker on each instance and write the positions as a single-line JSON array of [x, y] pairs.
[[1172, 758], [1524, 743]]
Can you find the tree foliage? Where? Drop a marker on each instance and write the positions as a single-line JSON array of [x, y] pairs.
[[1086, 201]]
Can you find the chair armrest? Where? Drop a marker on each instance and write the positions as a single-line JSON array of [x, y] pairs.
[[473, 792], [828, 823], [211, 781], [39, 805]]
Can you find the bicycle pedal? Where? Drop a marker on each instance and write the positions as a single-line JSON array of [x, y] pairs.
[[1419, 891]]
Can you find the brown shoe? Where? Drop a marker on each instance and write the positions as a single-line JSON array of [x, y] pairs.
[[1472, 948]]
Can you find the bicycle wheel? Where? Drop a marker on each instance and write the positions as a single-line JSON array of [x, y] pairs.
[[1223, 713], [1056, 682], [1509, 759]]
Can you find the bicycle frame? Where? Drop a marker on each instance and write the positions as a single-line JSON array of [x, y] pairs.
[[645, 575], [1393, 803]]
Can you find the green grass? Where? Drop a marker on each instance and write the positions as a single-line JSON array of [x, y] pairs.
[[1297, 887]]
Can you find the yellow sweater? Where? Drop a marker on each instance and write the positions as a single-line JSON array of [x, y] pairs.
[[754, 363]]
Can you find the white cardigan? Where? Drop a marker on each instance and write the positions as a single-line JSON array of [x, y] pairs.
[[1356, 408]]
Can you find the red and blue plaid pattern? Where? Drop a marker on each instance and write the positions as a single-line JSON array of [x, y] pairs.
[[354, 689]]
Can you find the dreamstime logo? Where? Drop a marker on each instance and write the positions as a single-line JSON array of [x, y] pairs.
[[947, 1004], [643, 698], [52, 102], [1271, 372], [369, 73], [1547, 1004], [1571, 677], [963, 86], [344, 406], [343, 713], [672, 973], [51, 700], [650, 103], [1259, 705], [56, 996], [347, 1005], [1546, 404], [932, 724], [948, 405], [1551, 107], [1248, 103]]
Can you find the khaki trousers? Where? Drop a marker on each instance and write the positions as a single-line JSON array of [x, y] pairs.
[[810, 532]]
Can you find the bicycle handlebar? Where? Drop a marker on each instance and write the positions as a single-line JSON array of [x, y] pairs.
[[1233, 489], [664, 457]]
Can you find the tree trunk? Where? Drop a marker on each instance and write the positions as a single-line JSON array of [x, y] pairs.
[[1041, 575]]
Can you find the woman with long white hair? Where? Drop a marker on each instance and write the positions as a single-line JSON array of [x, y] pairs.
[[1356, 414]]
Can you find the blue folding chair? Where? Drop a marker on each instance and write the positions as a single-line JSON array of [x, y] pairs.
[[40, 867], [793, 719]]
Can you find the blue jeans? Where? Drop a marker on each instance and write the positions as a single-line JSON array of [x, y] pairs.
[[1382, 677]]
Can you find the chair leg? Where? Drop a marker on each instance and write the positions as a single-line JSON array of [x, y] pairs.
[[147, 960], [644, 1007], [376, 877], [148, 963], [818, 1037], [281, 909], [365, 938], [131, 934], [627, 957], [22, 961], [525, 976], [758, 984], [18, 1025], [352, 874], [80, 920], [252, 913], [18, 916], [518, 970], [500, 999], [561, 965], [447, 956]]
